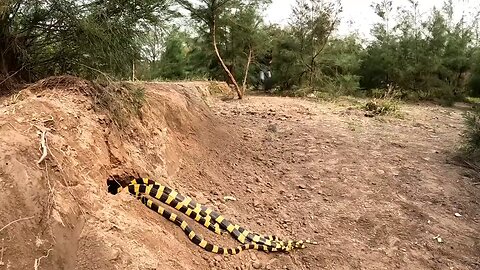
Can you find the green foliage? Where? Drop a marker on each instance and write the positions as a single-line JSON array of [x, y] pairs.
[[474, 81], [471, 147], [384, 102], [431, 56], [173, 61], [426, 59], [380, 107], [44, 38]]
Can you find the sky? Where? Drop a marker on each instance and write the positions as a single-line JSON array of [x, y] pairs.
[[358, 15]]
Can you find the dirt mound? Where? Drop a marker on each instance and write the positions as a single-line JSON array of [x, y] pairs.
[[66, 220]]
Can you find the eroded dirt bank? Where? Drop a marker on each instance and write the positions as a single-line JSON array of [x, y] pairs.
[[373, 192]]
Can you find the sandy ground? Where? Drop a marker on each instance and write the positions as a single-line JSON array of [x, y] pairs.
[[376, 193]]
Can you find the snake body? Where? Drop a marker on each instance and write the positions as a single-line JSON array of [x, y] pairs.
[[212, 220], [203, 215]]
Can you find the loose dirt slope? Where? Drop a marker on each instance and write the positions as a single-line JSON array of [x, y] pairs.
[[373, 192]]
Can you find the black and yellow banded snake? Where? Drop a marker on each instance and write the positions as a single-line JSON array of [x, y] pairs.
[[142, 187]]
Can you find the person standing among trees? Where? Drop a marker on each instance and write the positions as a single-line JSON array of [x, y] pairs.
[[265, 70]]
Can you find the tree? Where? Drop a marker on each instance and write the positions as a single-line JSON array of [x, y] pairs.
[[424, 58], [173, 60], [312, 25], [220, 17], [49, 37], [208, 13]]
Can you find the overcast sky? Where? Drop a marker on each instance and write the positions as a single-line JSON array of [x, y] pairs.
[[360, 13]]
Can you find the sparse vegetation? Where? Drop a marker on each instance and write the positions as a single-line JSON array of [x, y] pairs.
[[379, 107], [471, 146], [425, 56], [120, 100]]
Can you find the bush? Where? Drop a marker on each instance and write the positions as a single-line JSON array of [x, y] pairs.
[[379, 107], [471, 143]]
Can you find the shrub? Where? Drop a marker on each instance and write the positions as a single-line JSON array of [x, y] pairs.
[[471, 143], [379, 107]]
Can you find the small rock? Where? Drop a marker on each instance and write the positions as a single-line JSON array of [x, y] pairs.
[[438, 238], [257, 265], [302, 187], [229, 198], [458, 215]]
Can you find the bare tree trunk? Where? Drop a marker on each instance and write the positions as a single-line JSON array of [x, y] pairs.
[[217, 52], [244, 85], [133, 70]]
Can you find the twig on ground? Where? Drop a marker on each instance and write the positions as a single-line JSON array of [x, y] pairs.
[[51, 119], [1, 255], [15, 221], [43, 142], [36, 265], [43, 145], [472, 165]]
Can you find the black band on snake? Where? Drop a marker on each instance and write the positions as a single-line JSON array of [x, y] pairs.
[[212, 220]]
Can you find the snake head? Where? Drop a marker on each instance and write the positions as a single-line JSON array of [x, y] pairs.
[[116, 183]]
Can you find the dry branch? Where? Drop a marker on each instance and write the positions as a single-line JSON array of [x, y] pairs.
[[10, 76], [36, 264], [15, 221], [1, 256], [43, 145]]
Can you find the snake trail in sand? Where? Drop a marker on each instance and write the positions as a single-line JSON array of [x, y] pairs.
[[139, 187]]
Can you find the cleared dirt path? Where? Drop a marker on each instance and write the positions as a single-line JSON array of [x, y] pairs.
[[375, 192]]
